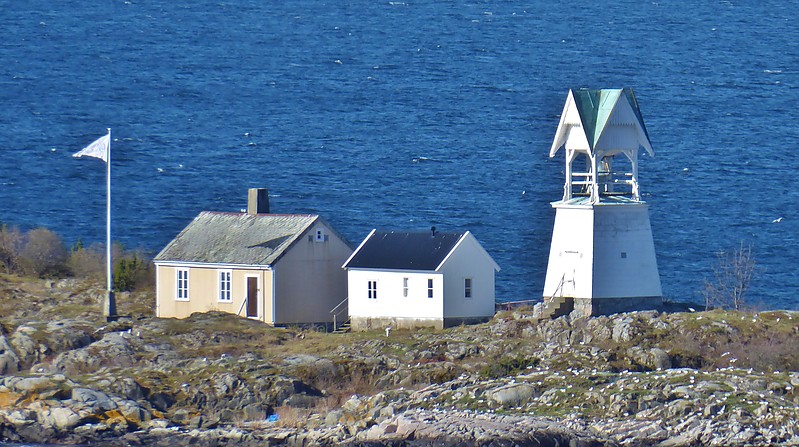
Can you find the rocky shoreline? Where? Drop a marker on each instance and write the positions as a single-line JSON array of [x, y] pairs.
[[665, 379]]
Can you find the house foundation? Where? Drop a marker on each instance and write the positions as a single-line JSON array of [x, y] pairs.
[[372, 323]]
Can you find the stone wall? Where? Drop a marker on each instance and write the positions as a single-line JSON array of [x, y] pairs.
[[586, 307]]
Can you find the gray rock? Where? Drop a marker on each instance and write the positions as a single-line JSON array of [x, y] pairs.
[[622, 331], [257, 412], [59, 336], [659, 359], [21, 417], [459, 351], [94, 401], [36, 384], [9, 361], [512, 395], [27, 349], [597, 329], [354, 404], [653, 359], [180, 416], [133, 412], [131, 389], [60, 418], [333, 417], [113, 349]]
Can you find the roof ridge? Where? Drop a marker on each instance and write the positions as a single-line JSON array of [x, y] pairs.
[[233, 213]]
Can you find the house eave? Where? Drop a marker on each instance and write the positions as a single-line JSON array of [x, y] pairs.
[[213, 265], [381, 270]]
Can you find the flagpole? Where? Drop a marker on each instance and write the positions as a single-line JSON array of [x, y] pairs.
[[109, 306]]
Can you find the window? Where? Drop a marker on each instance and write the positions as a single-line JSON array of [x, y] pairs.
[[430, 287], [405, 287], [224, 285], [467, 287], [183, 285], [372, 290]]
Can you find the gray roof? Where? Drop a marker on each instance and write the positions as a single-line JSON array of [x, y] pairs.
[[397, 250], [236, 238]]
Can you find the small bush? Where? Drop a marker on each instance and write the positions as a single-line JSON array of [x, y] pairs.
[[43, 254], [508, 366], [87, 262], [133, 272], [732, 275], [11, 242]]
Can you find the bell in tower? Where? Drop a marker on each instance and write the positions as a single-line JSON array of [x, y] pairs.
[[602, 257]]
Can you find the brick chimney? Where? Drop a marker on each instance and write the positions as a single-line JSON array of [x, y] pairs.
[[258, 201]]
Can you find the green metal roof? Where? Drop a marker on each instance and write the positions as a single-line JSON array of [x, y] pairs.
[[595, 107]]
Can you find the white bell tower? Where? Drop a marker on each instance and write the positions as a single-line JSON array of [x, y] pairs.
[[602, 257]]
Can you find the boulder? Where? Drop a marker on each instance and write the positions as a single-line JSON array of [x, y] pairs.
[[27, 349], [113, 349], [512, 395], [60, 336], [652, 359], [623, 330], [9, 361], [61, 418], [131, 389], [95, 402]]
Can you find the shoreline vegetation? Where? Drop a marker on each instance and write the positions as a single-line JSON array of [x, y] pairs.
[[713, 378]]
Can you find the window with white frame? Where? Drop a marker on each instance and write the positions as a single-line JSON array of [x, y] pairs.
[[405, 287], [224, 285], [182, 285], [371, 289], [467, 287], [429, 287]]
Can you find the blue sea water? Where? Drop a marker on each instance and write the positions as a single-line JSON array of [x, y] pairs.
[[403, 115]]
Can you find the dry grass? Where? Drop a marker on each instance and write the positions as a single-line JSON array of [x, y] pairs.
[[292, 417]]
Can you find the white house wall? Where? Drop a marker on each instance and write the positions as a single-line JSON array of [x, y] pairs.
[[468, 260], [391, 302]]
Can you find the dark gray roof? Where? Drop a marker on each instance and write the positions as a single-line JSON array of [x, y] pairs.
[[397, 250], [236, 238]]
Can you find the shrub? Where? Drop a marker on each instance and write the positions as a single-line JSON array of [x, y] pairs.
[[732, 274], [43, 254], [508, 366], [11, 242], [87, 262], [132, 272]]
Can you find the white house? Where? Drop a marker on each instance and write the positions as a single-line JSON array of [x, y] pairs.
[[277, 268], [417, 279]]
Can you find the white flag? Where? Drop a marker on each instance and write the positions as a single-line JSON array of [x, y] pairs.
[[98, 149]]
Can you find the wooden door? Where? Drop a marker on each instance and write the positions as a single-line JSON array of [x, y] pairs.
[[252, 296]]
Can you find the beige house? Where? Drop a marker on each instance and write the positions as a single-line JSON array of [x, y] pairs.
[[277, 268]]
